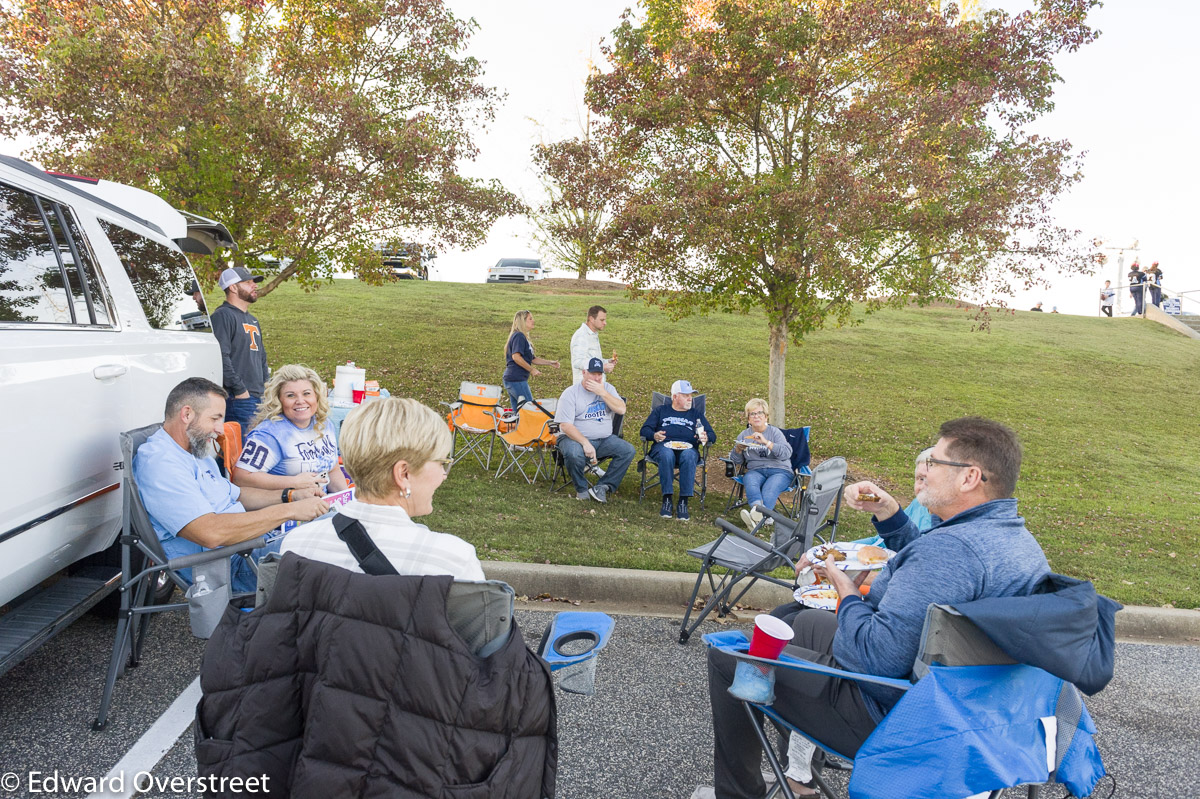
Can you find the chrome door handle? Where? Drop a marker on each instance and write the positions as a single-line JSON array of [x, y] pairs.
[[109, 371]]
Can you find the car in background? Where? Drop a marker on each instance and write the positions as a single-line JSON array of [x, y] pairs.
[[516, 270], [407, 260]]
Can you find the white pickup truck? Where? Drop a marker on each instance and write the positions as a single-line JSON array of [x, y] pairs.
[[97, 324]]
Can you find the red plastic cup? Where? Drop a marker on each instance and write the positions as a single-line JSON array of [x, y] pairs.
[[358, 395], [771, 635]]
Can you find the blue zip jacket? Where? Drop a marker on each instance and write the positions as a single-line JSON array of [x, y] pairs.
[[984, 551]]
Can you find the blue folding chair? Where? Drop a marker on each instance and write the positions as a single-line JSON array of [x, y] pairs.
[[974, 721], [797, 438]]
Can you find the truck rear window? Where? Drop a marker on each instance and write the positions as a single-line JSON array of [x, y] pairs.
[[160, 276]]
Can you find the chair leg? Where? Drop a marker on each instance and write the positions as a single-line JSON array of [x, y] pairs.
[[781, 784], [121, 644]]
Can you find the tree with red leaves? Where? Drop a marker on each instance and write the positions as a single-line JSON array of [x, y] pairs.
[[805, 156]]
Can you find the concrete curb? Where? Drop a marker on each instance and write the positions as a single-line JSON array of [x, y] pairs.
[[666, 593]]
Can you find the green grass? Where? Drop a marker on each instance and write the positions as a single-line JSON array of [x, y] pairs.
[[1106, 410]]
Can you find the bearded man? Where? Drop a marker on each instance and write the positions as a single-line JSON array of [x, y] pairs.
[[191, 506], [243, 354]]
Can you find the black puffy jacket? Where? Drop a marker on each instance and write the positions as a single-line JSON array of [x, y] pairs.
[[350, 685]]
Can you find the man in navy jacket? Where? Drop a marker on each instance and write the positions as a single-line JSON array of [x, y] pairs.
[[671, 427]]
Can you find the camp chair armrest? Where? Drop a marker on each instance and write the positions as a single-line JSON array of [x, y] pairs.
[[188, 561], [796, 664], [780, 518], [729, 528]]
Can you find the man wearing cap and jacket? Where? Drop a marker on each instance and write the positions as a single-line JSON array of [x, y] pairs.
[[679, 422], [243, 354]]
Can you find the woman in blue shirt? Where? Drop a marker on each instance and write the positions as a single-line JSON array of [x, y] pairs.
[[520, 362], [290, 445]]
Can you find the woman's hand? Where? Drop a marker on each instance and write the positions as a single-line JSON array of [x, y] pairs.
[[759, 438], [311, 480], [535, 372]]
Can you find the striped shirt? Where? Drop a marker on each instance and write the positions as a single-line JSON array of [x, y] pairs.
[[412, 548]]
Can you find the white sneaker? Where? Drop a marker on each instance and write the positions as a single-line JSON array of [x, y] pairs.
[[751, 518]]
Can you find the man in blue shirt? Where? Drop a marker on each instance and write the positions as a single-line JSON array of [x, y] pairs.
[[191, 506], [677, 430], [982, 549]]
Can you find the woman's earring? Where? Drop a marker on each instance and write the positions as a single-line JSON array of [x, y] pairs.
[[407, 493]]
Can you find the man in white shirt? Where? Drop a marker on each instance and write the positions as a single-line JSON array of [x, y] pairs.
[[1107, 295], [585, 344]]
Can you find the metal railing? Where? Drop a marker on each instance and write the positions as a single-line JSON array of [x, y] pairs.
[[1189, 301]]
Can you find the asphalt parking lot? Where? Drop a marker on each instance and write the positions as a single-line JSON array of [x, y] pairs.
[[645, 733]]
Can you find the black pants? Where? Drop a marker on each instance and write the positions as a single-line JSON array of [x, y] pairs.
[[1136, 293], [829, 709], [1107, 309]]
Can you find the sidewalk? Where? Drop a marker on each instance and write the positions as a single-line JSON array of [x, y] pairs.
[[656, 593]]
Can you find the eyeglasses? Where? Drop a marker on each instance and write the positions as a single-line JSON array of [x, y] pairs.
[[752, 414], [930, 461], [446, 464]]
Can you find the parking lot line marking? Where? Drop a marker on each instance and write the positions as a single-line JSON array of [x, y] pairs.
[[154, 743]]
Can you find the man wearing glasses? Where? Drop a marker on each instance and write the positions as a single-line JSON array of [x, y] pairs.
[[981, 549]]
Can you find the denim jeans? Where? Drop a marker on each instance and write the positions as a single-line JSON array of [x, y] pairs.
[[517, 390], [619, 449], [763, 486], [670, 459], [241, 411]]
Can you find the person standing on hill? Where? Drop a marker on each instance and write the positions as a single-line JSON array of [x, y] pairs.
[[1107, 296], [520, 362], [243, 354], [585, 344], [1137, 279], [1154, 278], [1037, 308]]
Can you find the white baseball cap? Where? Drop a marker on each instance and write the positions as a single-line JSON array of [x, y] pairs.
[[682, 387], [237, 274]]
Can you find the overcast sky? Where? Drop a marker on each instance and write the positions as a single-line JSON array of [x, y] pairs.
[[1130, 100]]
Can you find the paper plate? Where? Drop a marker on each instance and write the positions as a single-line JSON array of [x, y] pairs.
[[821, 597], [677, 445], [851, 563]]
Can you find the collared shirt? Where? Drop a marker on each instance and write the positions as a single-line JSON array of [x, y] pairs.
[[585, 345], [177, 487], [412, 548]]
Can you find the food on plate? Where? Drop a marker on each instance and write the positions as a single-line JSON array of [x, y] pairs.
[[867, 497], [872, 555], [821, 593], [826, 552], [678, 445]]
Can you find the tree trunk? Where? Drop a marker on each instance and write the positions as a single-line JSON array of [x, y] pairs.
[[777, 371]]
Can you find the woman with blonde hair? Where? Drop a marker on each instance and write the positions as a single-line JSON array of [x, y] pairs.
[[398, 452], [520, 362], [289, 444], [768, 459]]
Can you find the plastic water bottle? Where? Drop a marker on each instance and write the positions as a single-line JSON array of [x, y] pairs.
[[202, 588]]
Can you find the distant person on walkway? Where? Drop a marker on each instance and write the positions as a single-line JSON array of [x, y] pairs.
[[1154, 278], [982, 549], [520, 362], [585, 420], [673, 425], [768, 459], [1108, 295], [585, 344], [292, 443], [1037, 308], [243, 354], [398, 451], [1137, 279]]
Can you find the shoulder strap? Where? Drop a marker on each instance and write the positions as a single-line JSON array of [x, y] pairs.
[[361, 546]]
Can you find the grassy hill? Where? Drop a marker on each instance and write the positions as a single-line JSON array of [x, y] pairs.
[[1106, 410]]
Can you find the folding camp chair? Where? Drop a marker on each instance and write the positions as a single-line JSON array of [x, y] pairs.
[[1040, 738], [648, 469], [145, 572], [559, 479], [745, 558], [474, 420], [797, 438], [230, 444], [527, 443]]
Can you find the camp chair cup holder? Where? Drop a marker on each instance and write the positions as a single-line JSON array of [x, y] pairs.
[[570, 646]]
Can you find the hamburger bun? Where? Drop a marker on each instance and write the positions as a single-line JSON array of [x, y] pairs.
[[872, 555]]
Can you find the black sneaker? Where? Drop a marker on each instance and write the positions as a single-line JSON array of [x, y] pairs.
[[681, 511], [668, 507]]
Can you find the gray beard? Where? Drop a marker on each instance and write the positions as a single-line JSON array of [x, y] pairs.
[[202, 446]]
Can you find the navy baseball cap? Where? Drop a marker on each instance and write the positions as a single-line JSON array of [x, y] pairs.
[[596, 365]]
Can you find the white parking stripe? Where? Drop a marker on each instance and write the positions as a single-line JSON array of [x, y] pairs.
[[154, 743]]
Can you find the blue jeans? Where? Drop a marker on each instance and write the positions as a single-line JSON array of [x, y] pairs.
[[241, 411], [516, 391], [670, 459], [620, 450], [1136, 292], [763, 486]]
